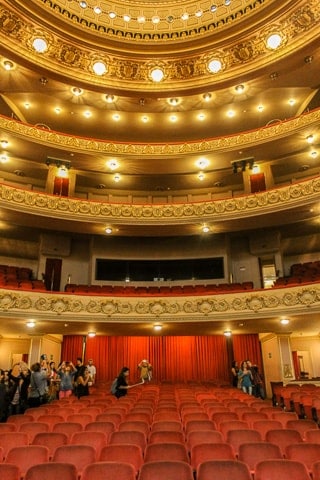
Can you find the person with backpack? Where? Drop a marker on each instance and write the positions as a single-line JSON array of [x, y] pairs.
[[120, 385]]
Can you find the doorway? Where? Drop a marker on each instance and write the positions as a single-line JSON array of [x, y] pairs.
[[52, 276]]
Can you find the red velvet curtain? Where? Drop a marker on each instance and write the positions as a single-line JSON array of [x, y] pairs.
[[247, 347], [176, 359], [72, 348]]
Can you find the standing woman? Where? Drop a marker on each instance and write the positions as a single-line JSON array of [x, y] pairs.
[[245, 377], [234, 371], [83, 378], [122, 385]]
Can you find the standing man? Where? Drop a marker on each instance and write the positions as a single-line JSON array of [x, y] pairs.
[[145, 370], [92, 370]]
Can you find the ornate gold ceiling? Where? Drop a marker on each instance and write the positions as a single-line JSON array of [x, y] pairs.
[[75, 43]]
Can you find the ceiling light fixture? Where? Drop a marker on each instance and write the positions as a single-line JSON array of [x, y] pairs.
[[4, 159], [310, 138], [239, 88], [40, 45], [109, 98], [205, 229], [284, 321], [117, 178], [112, 164], [155, 19], [4, 143], [77, 91], [157, 74], [157, 327], [227, 333], [201, 176], [274, 41], [108, 230], [31, 324], [99, 68], [8, 65], [214, 66], [207, 97], [202, 163], [91, 334]]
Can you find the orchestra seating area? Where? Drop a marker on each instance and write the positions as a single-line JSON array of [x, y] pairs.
[[172, 431], [300, 273]]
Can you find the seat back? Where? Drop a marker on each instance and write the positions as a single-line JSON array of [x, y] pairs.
[[166, 425], [238, 437], [9, 440], [9, 471], [27, 456], [78, 455], [306, 453], [132, 437], [162, 451], [166, 436], [67, 427], [252, 453], [109, 470], [51, 440], [223, 470], [31, 429], [206, 451], [134, 425], [281, 470], [117, 453], [263, 426], [168, 469], [52, 471], [283, 438], [97, 439]]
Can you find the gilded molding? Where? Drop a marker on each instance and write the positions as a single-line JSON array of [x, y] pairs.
[[219, 145], [66, 59], [225, 209], [215, 307]]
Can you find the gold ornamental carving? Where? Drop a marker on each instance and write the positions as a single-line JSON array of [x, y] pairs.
[[218, 144], [225, 209], [77, 61], [178, 308]]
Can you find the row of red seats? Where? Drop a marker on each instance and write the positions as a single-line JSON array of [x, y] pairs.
[[147, 408], [302, 399], [161, 290]]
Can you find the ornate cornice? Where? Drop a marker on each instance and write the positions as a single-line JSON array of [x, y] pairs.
[[226, 209], [219, 145], [262, 303], [184, 68]]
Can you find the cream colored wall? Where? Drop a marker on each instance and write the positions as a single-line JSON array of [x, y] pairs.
[[51, 346], [10, 347], [311, 345], [271, 361]]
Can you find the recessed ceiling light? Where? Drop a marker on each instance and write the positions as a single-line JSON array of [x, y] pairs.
[[4, 143], [112, 15], [87, 114], [291, 101], [284, 321], [310, 138], [4, 158], [173, 118], [227, 333], [201, 116], [202, 163], [116, 117], [157, 327], [112, 164], [201, 176], [231, 113], [91, 334], [108, 230], [155, 19], [239, 88], [207, 97], [205, 229], [77, 91], [8, 65], [109, 98], [260, 108], [97, 10], [126, 17], [31, 324], [117, 177], [141, 19]]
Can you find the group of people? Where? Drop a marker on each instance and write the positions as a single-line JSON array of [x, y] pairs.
[[22, 387], [248, 378]]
